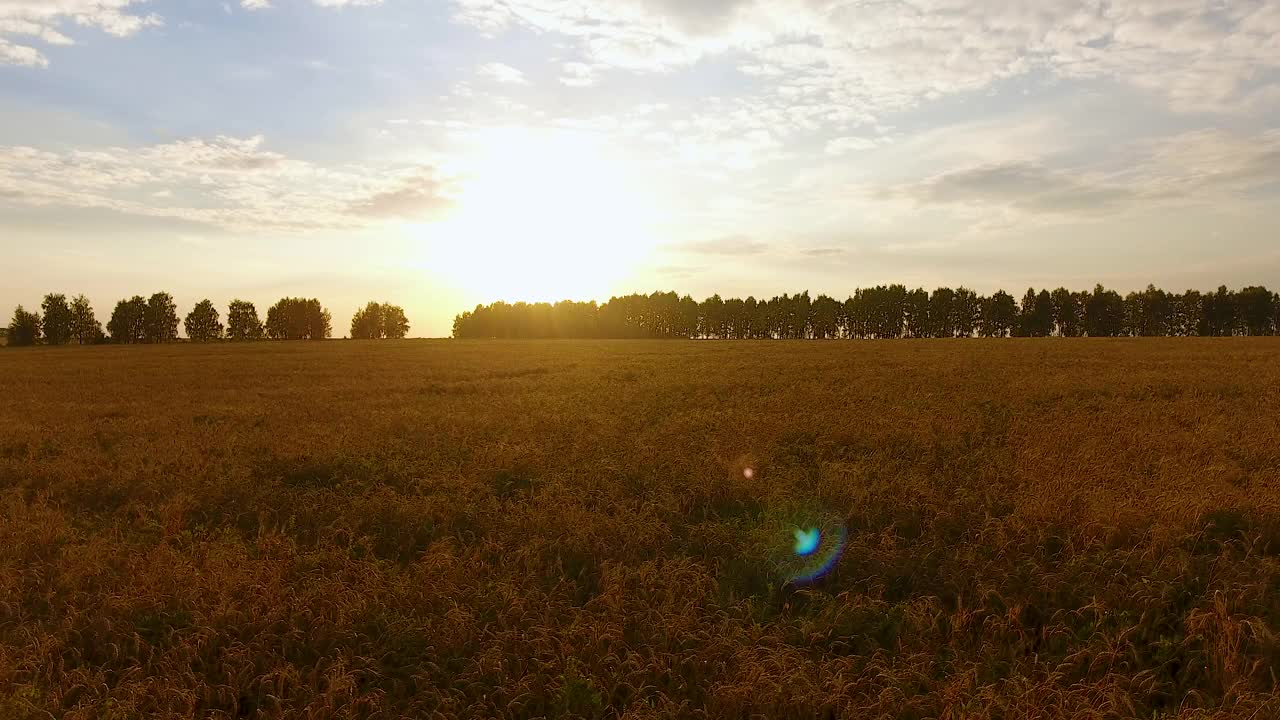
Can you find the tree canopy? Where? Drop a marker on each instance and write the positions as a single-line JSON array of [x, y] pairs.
[[298, 319], [890, 311], [24, 328], [242, 322], [379, 320], [203, 323]]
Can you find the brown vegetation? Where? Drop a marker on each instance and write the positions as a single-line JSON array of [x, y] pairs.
[[1036, 529]]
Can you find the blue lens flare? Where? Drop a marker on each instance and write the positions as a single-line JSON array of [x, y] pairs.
[[807, 541], [802, 541]]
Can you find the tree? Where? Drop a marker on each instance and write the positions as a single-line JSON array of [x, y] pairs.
[[1067, 313], [128, 321], [366, 324], [24, 328], [161, 319], [203, 323], [941, 314], [1104, 313], [999, 315], [1256, 304], [1218, 316], [384, 320], [1036, 314], [395, 324], [57, 319], [298, 319], [966, 312], [243, 324], [825, 317], [85, 327], [916, 314]]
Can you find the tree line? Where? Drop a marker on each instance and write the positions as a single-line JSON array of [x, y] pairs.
[[155, 320], [888, 311]]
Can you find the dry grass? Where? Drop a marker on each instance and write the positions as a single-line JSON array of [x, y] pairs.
[[1037, 529]]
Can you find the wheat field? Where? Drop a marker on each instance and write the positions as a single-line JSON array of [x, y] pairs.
[[1046, 528]]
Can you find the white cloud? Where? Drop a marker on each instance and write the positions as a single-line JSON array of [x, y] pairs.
[[228, 182], [576, 74], [886, 56], [501, 73], [255, 4], [41, 19]]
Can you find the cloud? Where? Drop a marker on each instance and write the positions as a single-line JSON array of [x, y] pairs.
[[1206, 166], [41, 19], [1025, 185], [501, 73], [227, 182], [417, 195], [255, 4], [734, 245], [845, 145], [576, 74], [889, 56]]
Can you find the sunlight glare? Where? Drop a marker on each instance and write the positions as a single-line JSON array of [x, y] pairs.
[[541, 215]]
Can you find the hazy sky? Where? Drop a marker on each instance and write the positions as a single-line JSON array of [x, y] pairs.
[[441, 153]]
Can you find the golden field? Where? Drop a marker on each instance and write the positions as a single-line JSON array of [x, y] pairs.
[[1047, 528]]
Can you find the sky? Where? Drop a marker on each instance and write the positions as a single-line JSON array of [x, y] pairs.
[[438, 154]]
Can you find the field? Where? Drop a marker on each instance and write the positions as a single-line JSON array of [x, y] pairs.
[[1035, 529]]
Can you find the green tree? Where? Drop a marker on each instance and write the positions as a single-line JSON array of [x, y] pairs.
[[57, 319], [243, 324], [161, 319], [85, 327], [203, 323], [24, 328], [128, 321]]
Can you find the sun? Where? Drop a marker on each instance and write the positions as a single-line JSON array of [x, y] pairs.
[[541, 215]]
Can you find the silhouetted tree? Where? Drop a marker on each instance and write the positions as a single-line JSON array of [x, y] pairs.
[[916, 314], [1104, 313], [203, 323], [298, 319], [1218, 313], [825, 320], [395, 324], [366, 324], [940, 313], [24, 328], [243, 324], [161, 319], [1036, 314], [966, 312], [999, 315], [1067, 313], [57, 319], [1184, 314], [384, 320], [882, 312], [1257, 309], [128, 321], [85, 327]]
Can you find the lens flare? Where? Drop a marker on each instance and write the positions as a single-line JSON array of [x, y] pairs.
[[748, 473], [802, 542], [807, 541]]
